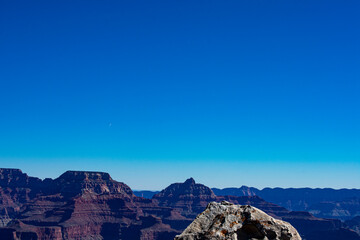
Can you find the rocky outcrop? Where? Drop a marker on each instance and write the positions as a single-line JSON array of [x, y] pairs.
[[191, 198], [93, 205], [239, 222], [188, 197]]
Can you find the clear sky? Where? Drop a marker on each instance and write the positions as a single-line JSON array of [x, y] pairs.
[[254, 92]]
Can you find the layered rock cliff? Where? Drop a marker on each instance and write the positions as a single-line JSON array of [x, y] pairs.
[[72, 183], [189, 197], [91, 205], [81, 205]]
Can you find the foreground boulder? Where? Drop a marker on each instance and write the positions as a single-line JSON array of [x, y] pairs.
[[238, 222]]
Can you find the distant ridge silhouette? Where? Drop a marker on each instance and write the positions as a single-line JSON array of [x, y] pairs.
[[92, 204]]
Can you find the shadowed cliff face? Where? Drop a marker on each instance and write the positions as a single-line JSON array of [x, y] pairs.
[[187, 190], [92, 204], [354, 224], [15, 181], [72, 183], [16, 178], [189, 197], [16, 189], [79, 204]]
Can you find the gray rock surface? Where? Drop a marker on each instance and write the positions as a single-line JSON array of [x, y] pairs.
[[237, 222]]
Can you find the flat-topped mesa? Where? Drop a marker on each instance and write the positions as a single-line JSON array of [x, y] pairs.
[[224, 220], [189, 197], [85, 175], [72, 183]]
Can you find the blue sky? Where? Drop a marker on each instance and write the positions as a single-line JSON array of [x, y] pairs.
[[257, 93]]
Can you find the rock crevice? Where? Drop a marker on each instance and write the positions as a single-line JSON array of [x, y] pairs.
[[237, 222]]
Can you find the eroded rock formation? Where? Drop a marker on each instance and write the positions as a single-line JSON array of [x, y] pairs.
[[79, 205], [189, 198], [238, 222], [91, 205]]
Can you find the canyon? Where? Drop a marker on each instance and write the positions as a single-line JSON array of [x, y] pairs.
[[92, 205]]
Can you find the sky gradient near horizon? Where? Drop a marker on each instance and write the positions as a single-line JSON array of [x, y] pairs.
[[231, 93]]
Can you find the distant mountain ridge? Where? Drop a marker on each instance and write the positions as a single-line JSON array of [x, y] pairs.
[[92, 204], [188, 198], [341, 204], [322, 202]]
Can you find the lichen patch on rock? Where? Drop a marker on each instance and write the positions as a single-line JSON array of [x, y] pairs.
[[237, 222]]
